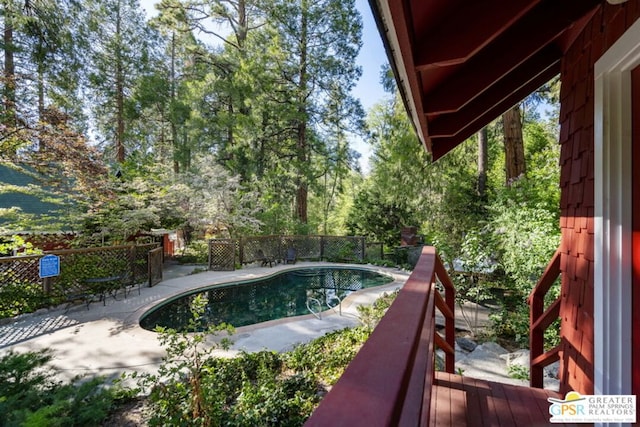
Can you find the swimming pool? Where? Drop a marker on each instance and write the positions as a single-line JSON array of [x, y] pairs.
[[286, 294]]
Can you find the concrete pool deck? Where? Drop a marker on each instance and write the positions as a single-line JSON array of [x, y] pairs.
[[107, 339]]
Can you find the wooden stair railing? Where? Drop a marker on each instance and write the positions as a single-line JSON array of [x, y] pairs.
[[389, 381], [539, 320]]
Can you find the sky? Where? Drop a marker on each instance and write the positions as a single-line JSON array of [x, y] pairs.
[[371, 58]]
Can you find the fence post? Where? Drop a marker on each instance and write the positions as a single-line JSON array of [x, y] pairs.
[[362, 248], [209, 251], [132, 263], [46, 284]]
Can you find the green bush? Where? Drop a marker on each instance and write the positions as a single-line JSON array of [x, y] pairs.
[[78, 267], [194, 388], [370, 315], [328, 356], [519, 372], [197, 252], [286, 401], [180, 390], [30, 395], [250, 389], [19, 297]]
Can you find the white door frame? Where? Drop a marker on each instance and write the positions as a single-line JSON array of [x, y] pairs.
[[613, 215]]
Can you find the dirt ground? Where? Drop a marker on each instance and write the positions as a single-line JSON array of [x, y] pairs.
[[133, 414]]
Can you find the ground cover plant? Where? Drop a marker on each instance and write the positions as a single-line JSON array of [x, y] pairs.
[[31, 396], [264, 388]]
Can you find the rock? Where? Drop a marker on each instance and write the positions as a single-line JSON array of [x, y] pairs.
[[484, 363], [494, 348], [552, 371], [517, 358], [552, 384], [466, 344]]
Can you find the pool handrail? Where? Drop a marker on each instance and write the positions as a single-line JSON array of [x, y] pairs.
[[319, 313], [333, 307]]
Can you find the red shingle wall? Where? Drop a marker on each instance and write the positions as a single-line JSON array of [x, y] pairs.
[[577, 186]]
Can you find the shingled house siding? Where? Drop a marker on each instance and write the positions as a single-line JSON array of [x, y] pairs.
[[577, 186]]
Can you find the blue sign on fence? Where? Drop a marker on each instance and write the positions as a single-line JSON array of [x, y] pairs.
[[49, 266]]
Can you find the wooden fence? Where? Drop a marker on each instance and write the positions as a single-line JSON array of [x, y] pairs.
[[22, 286], [223, 253]]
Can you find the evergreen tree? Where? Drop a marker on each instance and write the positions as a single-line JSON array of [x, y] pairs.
[[313, 46], [515, 166], [118, 55]]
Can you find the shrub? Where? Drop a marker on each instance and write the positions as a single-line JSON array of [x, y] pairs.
[[370, 315], [266, 388], [250, 389], [327, 357], [285, 401], [30, 396], [18, 297], [197, 252], [178, 391]]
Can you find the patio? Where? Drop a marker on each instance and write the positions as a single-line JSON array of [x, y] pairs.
[[107, 340]]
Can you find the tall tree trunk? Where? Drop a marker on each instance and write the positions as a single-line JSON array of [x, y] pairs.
[[174, 127], [41, 145], [302, 192], [185, 151], [9, 93], [40, 91], [243, 25], [483, 159], [513, 145], [120, 156]]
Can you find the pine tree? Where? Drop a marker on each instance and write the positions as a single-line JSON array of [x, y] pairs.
[[118, 55]]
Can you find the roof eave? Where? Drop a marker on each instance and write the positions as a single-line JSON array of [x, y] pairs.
[[383, 17]]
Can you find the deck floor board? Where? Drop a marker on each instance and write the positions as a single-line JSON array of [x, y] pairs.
[[463, 401]]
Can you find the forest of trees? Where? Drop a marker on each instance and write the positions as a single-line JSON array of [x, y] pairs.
[[232, 117], [170, 123]]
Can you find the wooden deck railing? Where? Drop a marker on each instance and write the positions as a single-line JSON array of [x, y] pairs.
[[389, 381], [539, 320]]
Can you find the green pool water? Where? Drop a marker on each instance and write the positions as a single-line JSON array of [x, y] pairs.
[[283, 295]]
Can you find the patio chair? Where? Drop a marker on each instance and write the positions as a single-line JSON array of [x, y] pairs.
[[264, 259], [291, 256]]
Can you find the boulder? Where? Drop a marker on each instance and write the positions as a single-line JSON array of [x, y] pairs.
[[517, 358], [494, 348], [552, 371], [466, 344]]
